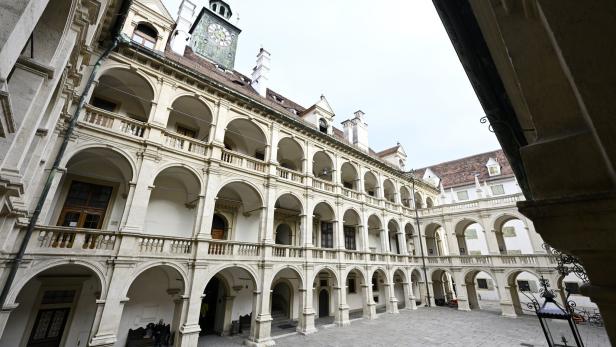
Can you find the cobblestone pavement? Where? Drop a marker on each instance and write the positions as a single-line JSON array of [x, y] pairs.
[[429, 327]]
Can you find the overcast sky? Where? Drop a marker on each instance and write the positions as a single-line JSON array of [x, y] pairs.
[[391, 58]]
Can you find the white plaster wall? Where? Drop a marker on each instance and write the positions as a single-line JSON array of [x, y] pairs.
[[83, 316], [479, 244], [247, 228], [148, 303], [167, 212], [242, 304], [521, 241], [486, 294], [355, 300], [374, 241], [16, 325], [399, 293]]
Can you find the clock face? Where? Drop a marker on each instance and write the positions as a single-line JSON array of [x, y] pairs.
[[219, 34]]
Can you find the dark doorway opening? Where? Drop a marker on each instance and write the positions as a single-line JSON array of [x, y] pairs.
[[209, 305], [323, 303]]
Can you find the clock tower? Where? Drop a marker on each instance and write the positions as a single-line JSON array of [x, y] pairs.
[[213, 36]]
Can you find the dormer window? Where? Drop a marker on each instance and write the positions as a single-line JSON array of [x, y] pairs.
[[323, 125], [145, 35], [494, 168]]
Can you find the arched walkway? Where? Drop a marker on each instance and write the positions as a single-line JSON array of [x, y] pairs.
[[389, 190], [481, 291], [471, 238], [418, 287], [323, 226], [522, 285], [357, 295], [351, 223], [245, 137], [380, 291], [153, 298], [290, 154], [405, 196], [371, 185], [443, 287], [189, 117], [349, 177], [392, 232], [126, 93], [240, 203], [512, 236], [287, 220], [91, 192], [401, 288], [228, 296], [286, 301], [375, 234], [172, 208], [436, 242], [418, 200], [55, 307], [322, 166], [411, 239], [326, 296]]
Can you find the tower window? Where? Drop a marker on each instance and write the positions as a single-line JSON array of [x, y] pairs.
[[323, 125], [145, 35]]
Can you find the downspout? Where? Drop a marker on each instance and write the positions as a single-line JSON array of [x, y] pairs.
[[423, 257], [60, 154]]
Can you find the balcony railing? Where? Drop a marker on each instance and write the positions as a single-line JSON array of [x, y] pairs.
[[352, 194], [372, 200], [52, 238], [323, 185], [243, 161], [323, 254], [114, 121], [489, 202], [184, 143], [281, 251], [233, 248], [290, 175]]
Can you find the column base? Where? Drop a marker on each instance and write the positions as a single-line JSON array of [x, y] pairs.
[[307, 327], [189, 335], [371, 314], [508, 310], [393, 306], [107, 340], [343, 316], [463, 305], [263, 343]]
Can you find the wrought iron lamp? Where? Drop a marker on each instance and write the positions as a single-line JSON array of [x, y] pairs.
[[556, 321]]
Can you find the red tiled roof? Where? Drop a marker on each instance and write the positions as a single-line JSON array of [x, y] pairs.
[[462, 171], [240, 83], [388, 151]]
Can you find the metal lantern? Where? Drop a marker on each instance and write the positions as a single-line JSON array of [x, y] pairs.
[[557, 322]]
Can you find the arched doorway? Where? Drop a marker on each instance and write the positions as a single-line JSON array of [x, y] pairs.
[[238, 203], [153, 298], [323, 303], [443, 287], [481, 291], [400, 288], [380, 291], [219, 227], [228, 296], [212, 307], [54, 308], [357, 295], [284, 234], [282, 300]]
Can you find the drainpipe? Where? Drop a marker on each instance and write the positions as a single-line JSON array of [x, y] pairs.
[[423, 257], [58, 159]]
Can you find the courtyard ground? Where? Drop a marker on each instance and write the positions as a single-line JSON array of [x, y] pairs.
[[427, 327]]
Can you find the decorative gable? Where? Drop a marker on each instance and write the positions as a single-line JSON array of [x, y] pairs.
[[320, 115], [431, 177]]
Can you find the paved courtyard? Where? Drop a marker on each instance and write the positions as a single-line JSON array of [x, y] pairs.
[[428, 327]]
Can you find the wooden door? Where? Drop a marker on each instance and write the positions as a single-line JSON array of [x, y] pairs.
[[85, 205], [48, 327]]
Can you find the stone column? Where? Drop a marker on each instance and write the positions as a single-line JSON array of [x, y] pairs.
[[505, 293], [402, 243], [262, 319], [370, 305], [213, 177], [535, 239], [450, 234], [342, 315], [138, 206], [384, 241], [107, 329], [462, 294], [53, 189], [198, 276], [409, 296], [393, 300], [306, 323]]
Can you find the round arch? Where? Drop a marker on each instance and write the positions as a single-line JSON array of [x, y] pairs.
[[290, 154]]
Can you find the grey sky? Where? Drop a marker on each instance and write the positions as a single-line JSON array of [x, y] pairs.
[[390, 58]]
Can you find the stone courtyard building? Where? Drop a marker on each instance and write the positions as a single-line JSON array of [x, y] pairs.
[[143, 179]]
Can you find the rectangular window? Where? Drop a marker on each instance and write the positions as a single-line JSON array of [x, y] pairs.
[[462, 195], [349, 238], [494, 170], [85, 205], [572, 287], [509, 232], [482, 283], [104, 104], [351, 286], [523, 286], [327, 235], [186, 132], [497, 189]]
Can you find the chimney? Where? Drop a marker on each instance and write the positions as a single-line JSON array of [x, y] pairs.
[[180, 35], [260, 73], [356, 130]]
